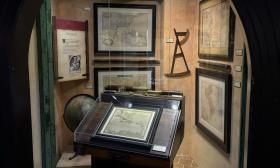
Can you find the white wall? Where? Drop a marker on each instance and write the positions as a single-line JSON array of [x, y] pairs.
[[35, 99]]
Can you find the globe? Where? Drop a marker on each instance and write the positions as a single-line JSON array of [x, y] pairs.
[[76, 108]]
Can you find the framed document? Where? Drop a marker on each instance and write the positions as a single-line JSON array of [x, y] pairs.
[[128, 123], [137, 78], [70, 48], [216, 30], [124, 29], [213, 106], [135, 125]]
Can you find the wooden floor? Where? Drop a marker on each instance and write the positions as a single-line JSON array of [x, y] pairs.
[[184, 161]]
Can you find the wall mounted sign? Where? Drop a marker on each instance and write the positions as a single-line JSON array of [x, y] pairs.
[[71, 49], [239, 52], [238, 68], [124, 29], [216, 30], [237, 84], [213, 105], [137, 78]]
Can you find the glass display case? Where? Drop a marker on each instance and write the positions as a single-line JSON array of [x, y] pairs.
[[126, 128], [135, 51]]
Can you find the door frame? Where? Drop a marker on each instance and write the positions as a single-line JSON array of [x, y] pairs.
[[259, 22]]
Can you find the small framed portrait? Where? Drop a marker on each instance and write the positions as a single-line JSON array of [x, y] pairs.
[[213, 106], [74, 64], [124, 29], [133, 77], [216, 30]]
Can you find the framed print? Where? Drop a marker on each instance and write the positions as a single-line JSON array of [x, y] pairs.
[[70, 46], [138, 78], [216, 30], [124, 29], [213, 105], [136, 125]]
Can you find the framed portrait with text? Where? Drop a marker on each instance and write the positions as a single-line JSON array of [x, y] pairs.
[[216, 30], [133, 77], [70, 49], [213, 106], [124, 29]]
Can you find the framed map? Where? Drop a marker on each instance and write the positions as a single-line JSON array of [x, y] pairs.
[[135, 125], [136, 78], [129, 123], [124, 29], [213, 105], [216, 30]]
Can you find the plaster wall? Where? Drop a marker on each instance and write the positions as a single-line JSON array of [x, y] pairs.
[[35, 99], [184, 15], [206, 153]]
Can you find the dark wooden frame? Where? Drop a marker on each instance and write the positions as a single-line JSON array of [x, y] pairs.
[[226, 77], [124, 53], [96, 70], [46, 85], [147, 143], [228, 57], [55, 50]]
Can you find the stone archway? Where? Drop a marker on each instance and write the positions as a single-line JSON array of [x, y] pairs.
[[261, 25], [17, 19]]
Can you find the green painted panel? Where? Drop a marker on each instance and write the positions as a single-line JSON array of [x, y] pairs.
[[243, 109], [46, 84]]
